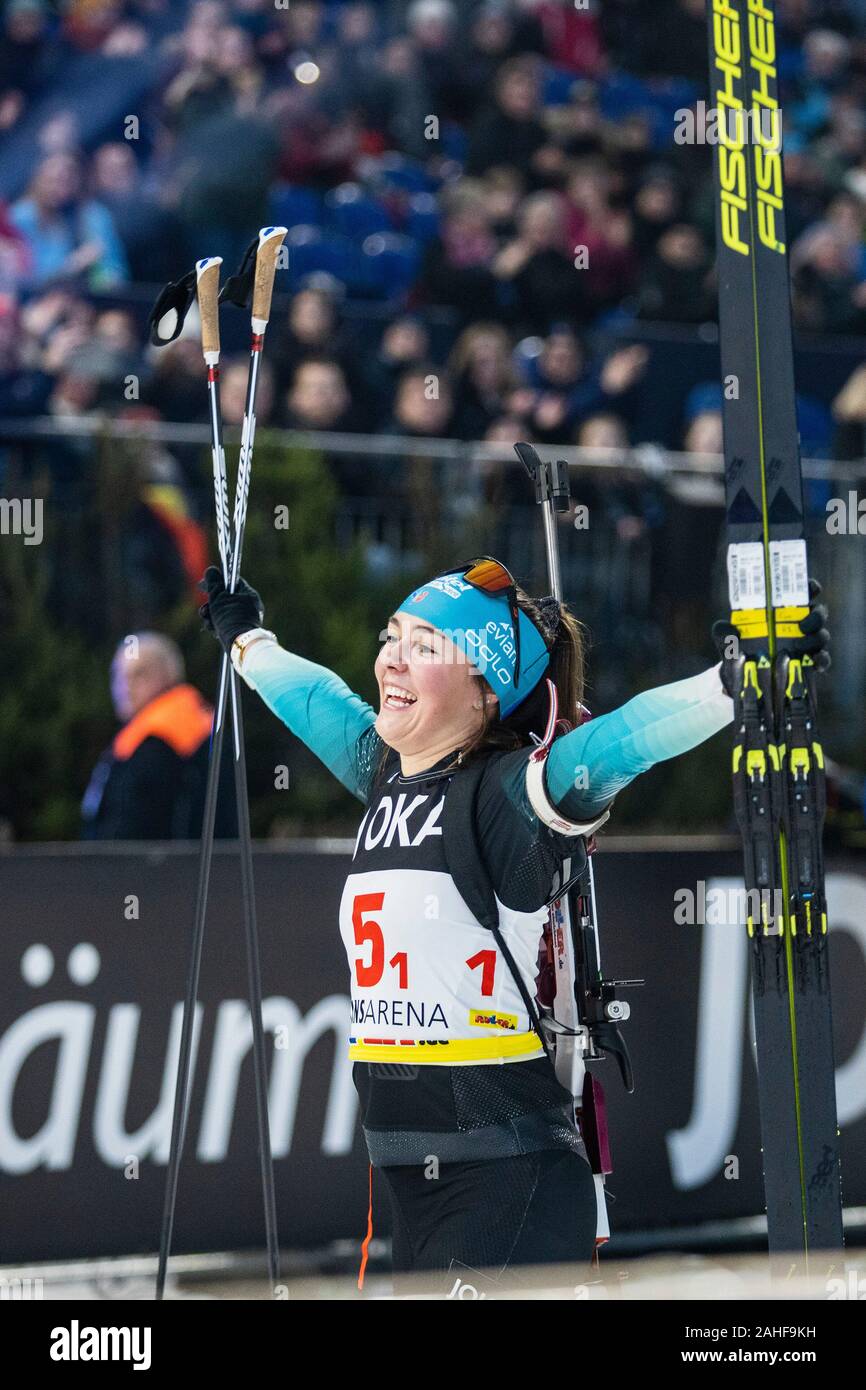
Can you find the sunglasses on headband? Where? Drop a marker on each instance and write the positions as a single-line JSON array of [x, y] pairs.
[[491, 577]]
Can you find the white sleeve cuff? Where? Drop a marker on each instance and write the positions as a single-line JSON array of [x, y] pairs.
[[259, 640], [545, 809]]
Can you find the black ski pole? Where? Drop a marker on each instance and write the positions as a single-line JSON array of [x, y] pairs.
[[207, 278], [269, 243], [208, 284], [587, 1011]]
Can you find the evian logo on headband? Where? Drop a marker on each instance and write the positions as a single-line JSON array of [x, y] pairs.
[[503, 635], [489, 661]]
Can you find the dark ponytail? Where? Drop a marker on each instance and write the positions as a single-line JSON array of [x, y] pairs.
[[564, 636]]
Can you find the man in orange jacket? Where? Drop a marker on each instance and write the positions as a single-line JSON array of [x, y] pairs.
[[149, 784]]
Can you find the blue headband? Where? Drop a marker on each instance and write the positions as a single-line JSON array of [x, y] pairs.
[[479, 625]]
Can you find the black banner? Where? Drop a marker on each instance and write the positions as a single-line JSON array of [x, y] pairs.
[[95, 947]]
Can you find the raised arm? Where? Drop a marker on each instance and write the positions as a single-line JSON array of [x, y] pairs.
[[318, 706], [587, 767]]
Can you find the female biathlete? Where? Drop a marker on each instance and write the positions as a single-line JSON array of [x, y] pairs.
[[479, 1152]]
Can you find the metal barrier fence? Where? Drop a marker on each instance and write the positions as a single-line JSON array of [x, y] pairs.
[[410, 503]]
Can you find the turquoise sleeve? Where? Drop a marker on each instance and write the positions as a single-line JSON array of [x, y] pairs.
[[586, 768], [318, 706]]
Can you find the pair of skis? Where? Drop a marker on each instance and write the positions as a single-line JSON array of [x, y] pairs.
[[253, 284], [778, 765]]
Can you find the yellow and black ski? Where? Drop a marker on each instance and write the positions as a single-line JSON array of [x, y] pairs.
[[778, 766]]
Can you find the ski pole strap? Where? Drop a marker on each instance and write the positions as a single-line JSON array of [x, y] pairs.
[[166, 318], [238, 288]]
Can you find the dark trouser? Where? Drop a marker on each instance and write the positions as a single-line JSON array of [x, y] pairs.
[[494, 1216]]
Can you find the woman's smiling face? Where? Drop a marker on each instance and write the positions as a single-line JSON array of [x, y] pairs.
[[430, 696]]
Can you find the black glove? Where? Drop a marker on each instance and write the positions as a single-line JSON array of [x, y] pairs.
[[228, 615], [815, 642]]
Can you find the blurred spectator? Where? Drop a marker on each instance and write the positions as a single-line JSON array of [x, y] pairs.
[[311, 327], [483, 373], [174, 387], [69, 236], [228, 164], [233, 391], [657, 206], [319, 138], [542, 282], [397, 101], [806, 187], [149, 231], [360, 80], [627, 502], [506, 429], [704, 433], [826, 55], [226, 141], [490, 41], [603, 432], [457, 265], [149, 784], [432, 28], [677, 284], [29, 56], [24, 387], [423, 404], [404, 343], [512, 125], [561, 388], [842, 142], [95, 358], [235, 60], [502, 189], [199, 89], [604, 231], [14, 255], [828, 281], [304, 23], [54, 325], [572, 37], [687, 55], [87, 25], [849, 412], [318, 398]]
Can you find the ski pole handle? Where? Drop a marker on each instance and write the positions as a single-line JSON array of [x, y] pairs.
[[207, 274], [207, 284], [270, 241]]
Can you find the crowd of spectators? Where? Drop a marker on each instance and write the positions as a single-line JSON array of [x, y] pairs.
[[504, 183], [520, 163]]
